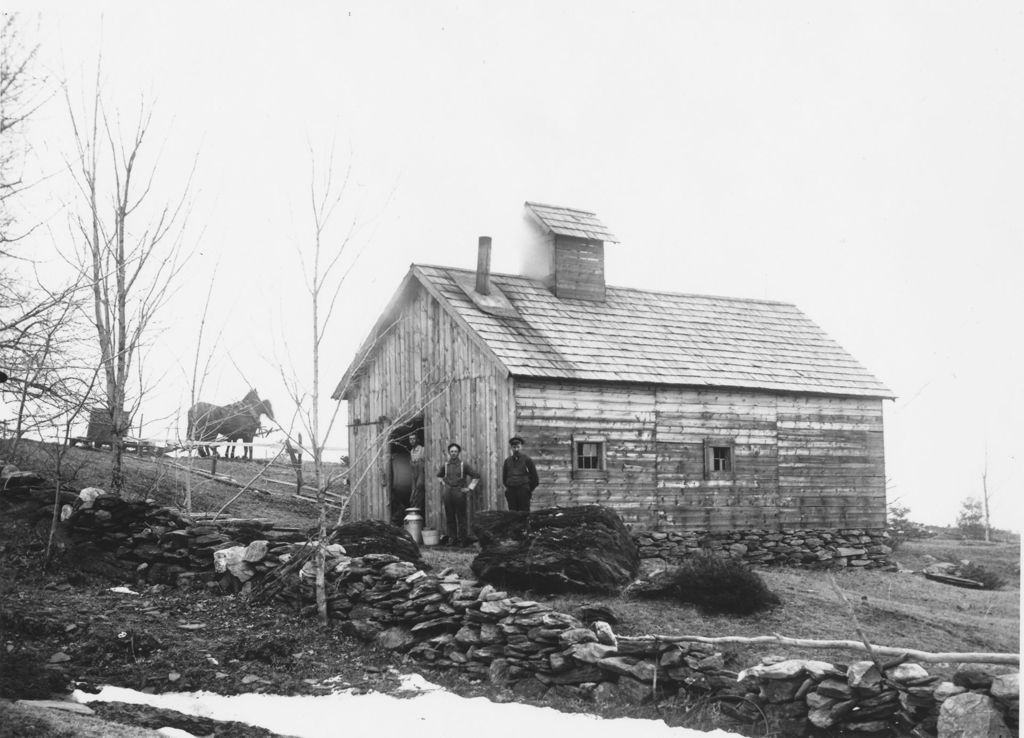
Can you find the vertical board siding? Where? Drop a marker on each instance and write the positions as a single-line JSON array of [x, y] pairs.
[[426, 364], [798, 461]]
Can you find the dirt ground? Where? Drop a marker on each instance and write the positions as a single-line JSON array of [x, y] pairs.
[[68, 629]]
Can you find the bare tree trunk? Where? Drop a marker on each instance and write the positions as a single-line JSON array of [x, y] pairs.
[[324, 278], [130, 266], [54, 522], [984, 496], [321, 498], [76, 402]]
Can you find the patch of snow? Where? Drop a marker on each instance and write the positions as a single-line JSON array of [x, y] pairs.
[[432, 714], [123, 590], [416, 683]]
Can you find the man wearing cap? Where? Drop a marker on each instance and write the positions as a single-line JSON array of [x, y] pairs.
[[519, 475], [458, 479]]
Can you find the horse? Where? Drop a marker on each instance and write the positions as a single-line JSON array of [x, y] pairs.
[[246, 436], [239, 420]]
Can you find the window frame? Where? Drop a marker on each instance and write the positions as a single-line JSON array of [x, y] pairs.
[[601, 472], [710, 444]]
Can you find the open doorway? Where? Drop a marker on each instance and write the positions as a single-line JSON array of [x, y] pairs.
[[406, 480]]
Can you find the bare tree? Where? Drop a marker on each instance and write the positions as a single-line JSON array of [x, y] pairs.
[[985, 496], [324, 275], [44, 361], [129, 248], [200, 370], [21, 94], [27, 309], [76, 393]]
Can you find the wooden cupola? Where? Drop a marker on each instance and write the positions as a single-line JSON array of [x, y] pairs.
[[568, 253]]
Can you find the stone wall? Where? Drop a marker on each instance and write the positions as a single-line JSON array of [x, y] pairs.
[[816, 549], [452, 623]]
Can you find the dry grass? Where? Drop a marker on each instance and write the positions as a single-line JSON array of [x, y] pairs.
[[901, 610], [896, 609], [163, 480]]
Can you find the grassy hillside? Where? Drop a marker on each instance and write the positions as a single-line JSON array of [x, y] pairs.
[[168, 481]]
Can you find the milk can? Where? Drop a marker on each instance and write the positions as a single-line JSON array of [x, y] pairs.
[[414, 523]]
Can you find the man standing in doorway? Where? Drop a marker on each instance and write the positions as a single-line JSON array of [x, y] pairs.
[[458, 479], [418, 497], [519, 475]]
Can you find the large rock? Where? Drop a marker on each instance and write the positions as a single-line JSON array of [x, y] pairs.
[[1006, 687], [978, 676], [572, 549], [971, 715]]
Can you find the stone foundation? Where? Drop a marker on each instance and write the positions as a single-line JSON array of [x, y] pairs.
[[814, 549]]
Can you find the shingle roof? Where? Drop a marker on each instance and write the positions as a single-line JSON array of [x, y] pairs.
[[658, 337], [570, 222]]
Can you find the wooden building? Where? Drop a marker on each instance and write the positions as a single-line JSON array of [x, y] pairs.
[[682, 412]]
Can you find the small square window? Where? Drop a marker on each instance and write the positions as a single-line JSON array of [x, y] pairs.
[[719, 458], [588, 457]]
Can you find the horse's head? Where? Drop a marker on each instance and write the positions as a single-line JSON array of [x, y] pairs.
[[266, 409]]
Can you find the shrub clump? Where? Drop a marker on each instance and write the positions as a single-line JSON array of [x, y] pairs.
[[901, 528], [978, 573], [715, 584]]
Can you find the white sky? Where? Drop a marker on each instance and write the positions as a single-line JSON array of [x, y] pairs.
[[430, 714], [861, 160]]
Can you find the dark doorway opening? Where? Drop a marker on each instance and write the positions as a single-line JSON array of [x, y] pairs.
[[406, 480]]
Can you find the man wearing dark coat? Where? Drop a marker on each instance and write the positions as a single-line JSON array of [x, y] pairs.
[[519, 475]]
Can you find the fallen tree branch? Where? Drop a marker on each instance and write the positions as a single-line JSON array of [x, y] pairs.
[[246, 487], [926, 656], [856, 624]]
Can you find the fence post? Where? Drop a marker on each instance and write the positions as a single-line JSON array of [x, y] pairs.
[[296, 459]]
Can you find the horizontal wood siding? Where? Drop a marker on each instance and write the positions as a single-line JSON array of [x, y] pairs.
[[547, 416], [798, 462], [579, 269], [831, 462], [427, 364]]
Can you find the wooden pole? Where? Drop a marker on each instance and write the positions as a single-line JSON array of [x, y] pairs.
[[956, 658], [984, 495]]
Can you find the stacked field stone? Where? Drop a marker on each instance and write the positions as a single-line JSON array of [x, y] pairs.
[[817, 549], [165, 547], [449, 622]]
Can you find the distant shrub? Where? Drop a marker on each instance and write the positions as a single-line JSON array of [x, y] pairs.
[[901, 528], [988, 578], [714, 584], [971, 519]]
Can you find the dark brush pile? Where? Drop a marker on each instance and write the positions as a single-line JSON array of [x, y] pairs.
[[713, 583], [571, 549]]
